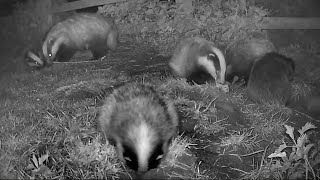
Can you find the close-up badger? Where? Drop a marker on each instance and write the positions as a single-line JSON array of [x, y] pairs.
[[241, 55], [140, 123], [270, 79], [199, 61], [87, 31]]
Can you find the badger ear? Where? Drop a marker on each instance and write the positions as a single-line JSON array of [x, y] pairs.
[[50, 42]]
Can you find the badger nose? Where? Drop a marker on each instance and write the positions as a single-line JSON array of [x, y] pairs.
[[219, 80], [142, 171]]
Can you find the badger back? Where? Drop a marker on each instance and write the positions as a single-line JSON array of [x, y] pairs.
[[242, 53], [78, 32], [183, 61], [270, 79]]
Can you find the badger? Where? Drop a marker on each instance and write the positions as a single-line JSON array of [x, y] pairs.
[[242, 53], [270, 79], [33, 59], [33, 55], [80, 32], [140, 123], [198, 60]]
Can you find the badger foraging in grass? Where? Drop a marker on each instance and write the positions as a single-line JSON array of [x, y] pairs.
[[34, 60], [242, 53], [33, 56], [270, 79], [80, 32], [198, 60], [140, 123]]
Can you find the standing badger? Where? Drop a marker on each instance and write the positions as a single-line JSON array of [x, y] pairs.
[[140, 123], [80, 32], [198, 60], [241, 54], [270, 79]]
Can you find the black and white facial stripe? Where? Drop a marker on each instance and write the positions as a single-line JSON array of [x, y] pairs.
[[198, 60], [34, 60], [140, 123]]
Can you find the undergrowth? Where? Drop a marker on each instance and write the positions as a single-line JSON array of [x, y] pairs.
[[296, 159]]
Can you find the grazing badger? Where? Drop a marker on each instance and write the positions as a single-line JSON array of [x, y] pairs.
[[80, 32], [242, 53], [270, 79], [140, 123], [198, 60]]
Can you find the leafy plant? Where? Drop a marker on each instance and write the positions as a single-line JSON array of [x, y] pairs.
[[298, 162], [38, 167]]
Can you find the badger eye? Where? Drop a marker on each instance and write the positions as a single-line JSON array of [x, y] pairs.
[[130, 157], [159, 157], [127, 159], [156, 156], [50, 55], [213, 55]]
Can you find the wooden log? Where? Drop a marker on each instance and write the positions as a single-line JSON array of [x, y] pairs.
[[290, 23], [82, 4]]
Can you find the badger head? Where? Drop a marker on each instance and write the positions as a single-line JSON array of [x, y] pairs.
[[141, 147], [212, 60], [51, 47], [34, 60]]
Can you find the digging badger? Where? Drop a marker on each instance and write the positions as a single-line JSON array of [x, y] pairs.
[[79, 32], [140, 123]]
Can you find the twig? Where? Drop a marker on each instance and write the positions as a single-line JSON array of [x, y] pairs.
[[209, 105], [252, 153], [302, 114], [262, 158], [124, 167]]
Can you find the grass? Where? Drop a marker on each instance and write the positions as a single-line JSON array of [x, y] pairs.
[[48, 127], [48, 132], [47, 118], [301, 90]]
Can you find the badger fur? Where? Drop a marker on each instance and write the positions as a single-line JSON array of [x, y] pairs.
[[242, 53], [198, 60], [313, 106], [140, 123], [80, 32], [270, 79]]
